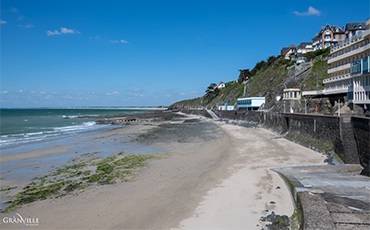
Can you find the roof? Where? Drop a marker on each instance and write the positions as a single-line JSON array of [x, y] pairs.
[[356, 26], [337, 30], [304, 44], [334, 29], [285, 50], [252, 98], [291, 90]]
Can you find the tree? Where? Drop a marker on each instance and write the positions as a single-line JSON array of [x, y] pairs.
[[259, 65], [211, 88], [271, 60], [244, 75]]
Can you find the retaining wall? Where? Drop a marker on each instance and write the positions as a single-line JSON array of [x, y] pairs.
[[348, 137], [361, 130]]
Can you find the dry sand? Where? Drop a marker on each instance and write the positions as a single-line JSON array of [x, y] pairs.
[[217, 176]]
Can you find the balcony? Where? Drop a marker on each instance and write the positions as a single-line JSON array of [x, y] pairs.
[[336, 90], [339, 68], [337, 78], [350, 53]]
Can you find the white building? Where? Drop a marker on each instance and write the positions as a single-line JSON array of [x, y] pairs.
[[292, 94], [349, 69], [226, 107], [250, 103], [302, 49], [221, 85]]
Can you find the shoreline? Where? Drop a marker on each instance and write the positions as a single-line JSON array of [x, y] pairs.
[[210, 165]]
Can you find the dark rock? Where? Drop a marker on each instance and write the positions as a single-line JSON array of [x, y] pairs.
[[281, 223], [329, 159], [277, 222], [366, 171]]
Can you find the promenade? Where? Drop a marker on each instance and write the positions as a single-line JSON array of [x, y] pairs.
[[332, 196]]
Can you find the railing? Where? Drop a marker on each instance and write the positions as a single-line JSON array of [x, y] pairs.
[[349, 42], [337, 78], [350, 53]]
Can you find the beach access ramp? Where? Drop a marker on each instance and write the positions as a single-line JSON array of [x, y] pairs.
[[213, 115]]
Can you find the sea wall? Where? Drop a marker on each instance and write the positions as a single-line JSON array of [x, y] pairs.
[[199, 112], [348, 137], [361, 130]]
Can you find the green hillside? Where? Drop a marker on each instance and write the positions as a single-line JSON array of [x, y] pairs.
[[267, 79]]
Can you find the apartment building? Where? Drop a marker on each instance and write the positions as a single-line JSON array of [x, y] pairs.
[[328, 36], [349, 68]]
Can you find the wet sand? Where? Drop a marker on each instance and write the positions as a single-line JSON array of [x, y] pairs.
[[216, 176]]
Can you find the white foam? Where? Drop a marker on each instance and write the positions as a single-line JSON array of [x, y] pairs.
[[23, 138]]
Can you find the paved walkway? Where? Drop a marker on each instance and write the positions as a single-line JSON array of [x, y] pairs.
[[332, 196]]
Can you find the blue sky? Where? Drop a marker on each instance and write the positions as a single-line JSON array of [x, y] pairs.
[[136, 52]]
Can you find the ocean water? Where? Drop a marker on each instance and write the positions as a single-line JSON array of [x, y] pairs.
[[19, 127]]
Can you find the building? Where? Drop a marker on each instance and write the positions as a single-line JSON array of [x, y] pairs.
[[226, 107], [303, 48], [250, 103], [292, 94], [353, 30], [221, 85], [349, 69], [288, 52], [328, 36]]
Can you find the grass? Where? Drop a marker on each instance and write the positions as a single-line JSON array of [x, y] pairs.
[[8, 188], [69, 178]]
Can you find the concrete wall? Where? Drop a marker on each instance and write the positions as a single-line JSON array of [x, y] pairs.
[[348, 137], [319, 132], [361, 130], [199, 112]]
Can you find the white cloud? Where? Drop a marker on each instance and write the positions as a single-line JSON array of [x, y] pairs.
[[27, 26], [97, 37], [62, 30], [123, 41], [114, 93], [67, 31], [2, 22], [3, 92], [311, 11], [51, 33]]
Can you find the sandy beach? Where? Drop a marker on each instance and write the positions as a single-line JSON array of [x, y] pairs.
[[214, 176]]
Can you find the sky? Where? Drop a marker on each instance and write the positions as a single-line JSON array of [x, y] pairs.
[[58, 53]]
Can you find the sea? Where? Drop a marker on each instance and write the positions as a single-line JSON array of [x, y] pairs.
[[21, 127]]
